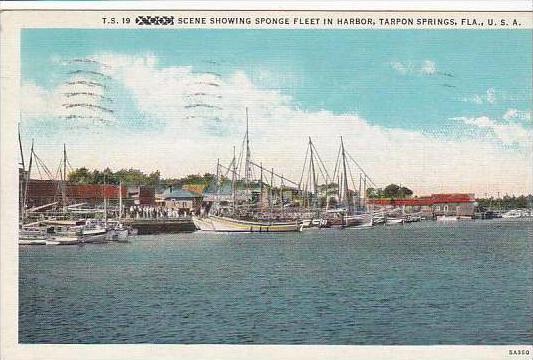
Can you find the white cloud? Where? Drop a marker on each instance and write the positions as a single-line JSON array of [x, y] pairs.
[[515, 114], [192, 140], [428, 67], [507, 133], [489, 97], [399, 67]]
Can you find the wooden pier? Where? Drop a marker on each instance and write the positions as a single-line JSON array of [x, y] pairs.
[[161, 226]]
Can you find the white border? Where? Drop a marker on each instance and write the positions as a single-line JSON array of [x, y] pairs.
[[430, 5], [9, 265]]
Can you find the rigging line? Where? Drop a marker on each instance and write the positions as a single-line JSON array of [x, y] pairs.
[[305, 162], [322, 173], [336, 164], [45, 168], [278, 176], [58, 172], [320, 160], [360, 168], [353, 183], [38, 170], [69, 165], [241, 155], [228, 170]]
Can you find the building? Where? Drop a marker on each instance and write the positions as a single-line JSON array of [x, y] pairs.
[[182, 200], [141, 194], [434, 205], [43, 192]]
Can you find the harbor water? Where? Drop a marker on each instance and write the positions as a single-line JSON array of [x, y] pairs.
[[420, 283]]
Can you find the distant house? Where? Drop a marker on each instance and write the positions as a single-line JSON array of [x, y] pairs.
[[434, 205], [182, 200], [141, 194]]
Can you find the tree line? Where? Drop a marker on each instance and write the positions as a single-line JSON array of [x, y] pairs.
[[134, 177]]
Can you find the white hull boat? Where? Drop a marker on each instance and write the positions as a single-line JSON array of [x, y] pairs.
[[446, 218], [32, 242], [394, 222], [223, 224], [65, 240], [33, 236], [120, 235]]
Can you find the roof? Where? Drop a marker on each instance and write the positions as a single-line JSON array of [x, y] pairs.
[[51, 188], [181, 194], [426, 200]]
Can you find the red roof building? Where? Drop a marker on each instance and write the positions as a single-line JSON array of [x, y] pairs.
[[42, 192], [434, 205], [426, 200]]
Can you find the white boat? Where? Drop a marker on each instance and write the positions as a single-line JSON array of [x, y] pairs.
[[33, 235], [117, 231], [65, 239], [511, 214], [348, 221], [446, 218], [313, 223], [306, 223], [120, 235], [391, 221], [32, 242], [214, 223], [94, 234]]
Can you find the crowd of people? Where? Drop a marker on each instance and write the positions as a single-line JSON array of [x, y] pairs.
[[155, 212]]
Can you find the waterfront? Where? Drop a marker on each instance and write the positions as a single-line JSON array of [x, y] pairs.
[[420, 283]]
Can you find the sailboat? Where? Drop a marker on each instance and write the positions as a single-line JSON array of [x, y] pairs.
[[242, 217], [116, 229], [312, 215], [347, 216]]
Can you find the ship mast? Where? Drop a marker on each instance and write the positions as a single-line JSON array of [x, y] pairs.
[[345, 176], [233, 180], [21, 152], [64, 188], [313, 175], [26, 179], [120, 200], [247, 167], [105, 202]]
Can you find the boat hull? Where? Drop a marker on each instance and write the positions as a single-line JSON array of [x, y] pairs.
[[223, 224], [32, 242]]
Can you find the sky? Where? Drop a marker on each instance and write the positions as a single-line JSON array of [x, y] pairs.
[[437, 111]]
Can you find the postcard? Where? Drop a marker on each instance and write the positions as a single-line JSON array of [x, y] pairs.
[[266, 184]]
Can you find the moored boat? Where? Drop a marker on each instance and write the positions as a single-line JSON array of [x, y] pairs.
[[393, 221], [215, 223], [447, 218]]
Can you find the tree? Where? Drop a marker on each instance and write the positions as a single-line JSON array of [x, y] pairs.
[[404, 192], [80, 176], [391, 191]]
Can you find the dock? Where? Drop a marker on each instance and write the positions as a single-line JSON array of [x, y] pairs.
[[161, 226]]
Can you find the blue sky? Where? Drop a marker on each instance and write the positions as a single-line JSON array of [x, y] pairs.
[[441, 84]]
